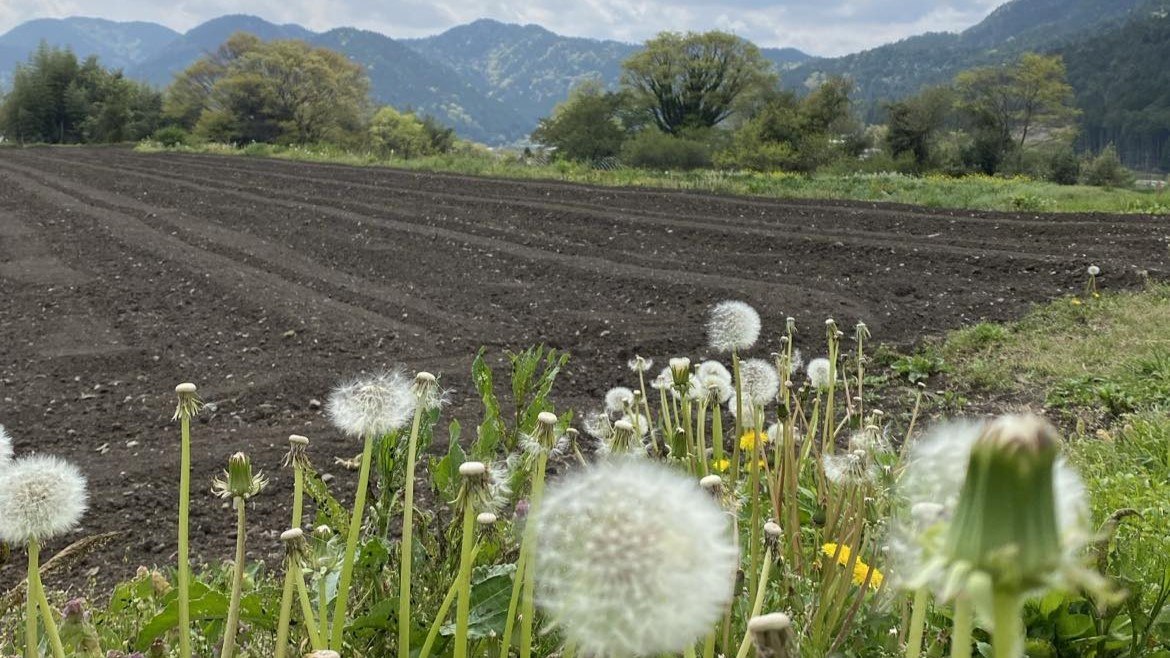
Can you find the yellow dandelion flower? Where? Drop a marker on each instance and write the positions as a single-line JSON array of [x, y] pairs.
[[1075, 302], [861, 570], [750, 437], [721, 465]]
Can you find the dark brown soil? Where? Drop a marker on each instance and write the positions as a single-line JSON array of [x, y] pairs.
[[266, 282]]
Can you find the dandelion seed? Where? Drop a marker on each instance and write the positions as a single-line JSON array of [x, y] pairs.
[[733, 326], [818, 373], [375, 405], [633, 559], [41, 497]]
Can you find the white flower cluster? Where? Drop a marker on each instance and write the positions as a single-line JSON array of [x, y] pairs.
[[375, 405]]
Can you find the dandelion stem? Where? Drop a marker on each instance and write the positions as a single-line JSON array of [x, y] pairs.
[[407, 542], [757, 604], [738, 419], [528, 603], [233, 617], [463, 610], [316, 632], [964, 625], [31, 643], [322, 605], [351, 540], [183, 566], [917, 623], [298, 496], [285, 611], [1008, 631], [444, 608]]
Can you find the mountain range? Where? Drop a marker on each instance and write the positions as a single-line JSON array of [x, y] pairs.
[[493, 81]]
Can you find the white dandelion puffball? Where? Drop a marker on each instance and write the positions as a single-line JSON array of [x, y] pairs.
[[617, 398], [818, 373], [759, 381], [633, 559], [748, 421], [5, 448], [732, 326], [41, 497], [1094, 270], [374, 405]]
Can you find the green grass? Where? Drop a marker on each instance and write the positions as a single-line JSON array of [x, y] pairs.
[[934, 191]]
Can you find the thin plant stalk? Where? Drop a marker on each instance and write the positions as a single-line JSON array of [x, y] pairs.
[[351, 540], [738, 419], [514, 599], [1009, 629], [756, 523], [316, 632], [407, 540], [436, 625], [700, 435], [233, 617], [717, 433], [463, 610], [757, 605], [286, 595], [917, 623], [31, 642], [964, 626], [528, 600], [37, 599], [184, 569]]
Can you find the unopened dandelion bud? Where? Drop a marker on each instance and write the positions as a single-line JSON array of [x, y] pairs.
[[773, 636], [189, 402], [240, 482], [680, 371], [1018, 546], [323, 532], [485, 518]]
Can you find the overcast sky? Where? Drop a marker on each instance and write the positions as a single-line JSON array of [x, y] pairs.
[[820, 27]]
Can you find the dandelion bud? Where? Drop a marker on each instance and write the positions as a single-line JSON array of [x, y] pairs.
[[733, 326], [240, 482], [41, 497], [773, 636], [5, 448], [485, 518], [680, 371], [1017, 545], [323, 532], [189, 402]]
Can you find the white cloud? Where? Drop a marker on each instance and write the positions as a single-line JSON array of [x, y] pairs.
[[829, 27]]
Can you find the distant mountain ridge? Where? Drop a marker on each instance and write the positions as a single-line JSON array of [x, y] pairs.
[[493, 81]]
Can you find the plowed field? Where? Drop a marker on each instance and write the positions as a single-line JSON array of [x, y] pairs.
[[265, 282]]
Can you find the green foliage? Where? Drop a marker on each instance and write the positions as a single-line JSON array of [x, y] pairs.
[[693, 80], [56, 99], [586, 126], [914, 123], [171, 136], [394, 133], [653, 149], [1106, 170], [279, 91], [917, 368]]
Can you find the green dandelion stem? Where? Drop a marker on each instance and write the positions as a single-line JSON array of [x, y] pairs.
[[184, 569], [351, 540], [917, 623], [964, 625], [31, 643], [463, 610], [528, 602], [407, 542], [316, 632], [233, 617]]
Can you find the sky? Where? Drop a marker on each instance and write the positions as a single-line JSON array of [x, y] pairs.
[[819, 27]]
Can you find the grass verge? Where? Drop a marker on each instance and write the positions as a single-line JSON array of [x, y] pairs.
[[933, 191]]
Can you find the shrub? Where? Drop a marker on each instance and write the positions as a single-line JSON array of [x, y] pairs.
[[172, 136], [1106, 170], [653, 149]]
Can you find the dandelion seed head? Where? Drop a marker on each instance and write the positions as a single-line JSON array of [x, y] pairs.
[[5, 448], [1094, 270], [640, 364], [372, 406], [617, 399], [759, 380], [818, 373], [632, 559], [485, 518], [732, 326], [713, 370], [749, 410], [41, 497], [663, 381]]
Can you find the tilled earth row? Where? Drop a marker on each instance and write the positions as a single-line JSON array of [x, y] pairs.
[[266, 282]]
